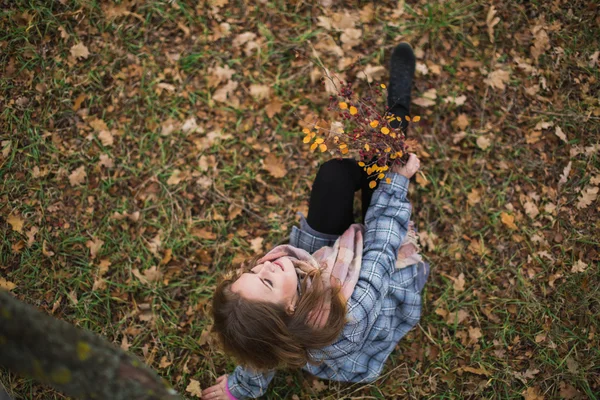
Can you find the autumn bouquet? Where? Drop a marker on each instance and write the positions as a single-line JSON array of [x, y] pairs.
[[360, 127]]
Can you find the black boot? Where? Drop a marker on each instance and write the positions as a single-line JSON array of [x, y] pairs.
[[402, 70]]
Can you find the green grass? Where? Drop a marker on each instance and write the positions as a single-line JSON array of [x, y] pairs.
[[527, 323]]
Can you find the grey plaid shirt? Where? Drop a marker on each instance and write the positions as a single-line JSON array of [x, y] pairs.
[[385, 304]]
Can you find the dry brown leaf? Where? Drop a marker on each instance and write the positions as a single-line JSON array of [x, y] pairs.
[[77, 177], [350, 38], [474, 334], [541, 42], [194, 388], [154, 244], [45, 250], [6, 285], [16, 223], [94, 245], [203, 233], [273, 107], [579, 266], [256, 245], [474, 197], [260, 92], [531, 209], [274, 166], [222, 94], [456, 317], [498, 79], [106, 138], [462, 121], [561, 135], [588, 196], [106, 161], [77, 103], [532, 393], [150, 275], [477, 371], [508, 220], [79, 51], [98, 125], [483, 142], [176, 177], [372, 73], [569, 392], [565, 175], [427, 99], [459, 283], [31, 235], [491, 21]]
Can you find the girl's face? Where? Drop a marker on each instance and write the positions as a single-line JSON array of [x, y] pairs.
[[273, 282]]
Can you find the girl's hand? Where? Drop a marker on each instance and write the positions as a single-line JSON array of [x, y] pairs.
[[410, 168], [218, 391]]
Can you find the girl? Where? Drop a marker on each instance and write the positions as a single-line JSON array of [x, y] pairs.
[[340, 296]]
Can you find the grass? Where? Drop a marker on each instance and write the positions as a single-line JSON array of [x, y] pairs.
[[538, 320]]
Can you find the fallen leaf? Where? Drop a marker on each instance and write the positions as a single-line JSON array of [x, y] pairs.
[[31, 235], [568, 392], [220, 74], [498, 79], [532, 393], [256, 245], [565, 175], [531, 209], [16, 223], [462, 121], [154, 244], [150, 275], [483, 142], [508, 220], [274, 166], [474, 197], [94, 245], [421, 179], [459, 283], [194, 388], [79, 51], [6, 146], [594, 59], [350, 38], [372, 73], [106, 161], [543, 125], [273, 107], [579, 266], [222, 94], [98, 125], [456, 317], [176, 177], [491, 21], [77, 103], [260, 92], [561, 135], [541, 42], [125, 343], [77, 177], [6, 285], [474, 334], [106, 138], [588, 196], [203, 233], [427, 99], [45, 250]]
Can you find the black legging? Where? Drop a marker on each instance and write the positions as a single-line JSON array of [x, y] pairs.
[[331, 207]]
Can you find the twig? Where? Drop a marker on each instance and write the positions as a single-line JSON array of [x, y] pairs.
[[570, 115]]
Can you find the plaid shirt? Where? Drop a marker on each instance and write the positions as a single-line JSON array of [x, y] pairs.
[[385, 304]]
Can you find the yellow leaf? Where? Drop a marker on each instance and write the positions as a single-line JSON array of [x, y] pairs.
[[383, 86], [16, 222], [313, 146], [353, 110], [343, 105], [344, 151], [416, 119], [385, 130], [322, 147], [407, 118], [374, 123], [388, 180], [306, 139], [367, 147], [381, 176], [361, 164], [388, 149], [319, 140], [393, 135], [343, 146], [372, 184], [508, 220], [306, 131]]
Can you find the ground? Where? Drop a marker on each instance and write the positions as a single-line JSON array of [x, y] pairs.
[[148, 145]]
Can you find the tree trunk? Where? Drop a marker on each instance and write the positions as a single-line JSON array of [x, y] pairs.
[[73, 361]]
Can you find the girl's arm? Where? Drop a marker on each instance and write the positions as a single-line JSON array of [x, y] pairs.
[[386, 226], [244, 383]]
